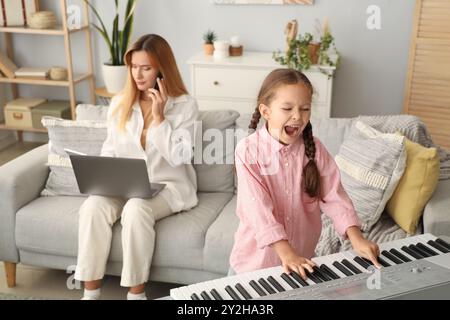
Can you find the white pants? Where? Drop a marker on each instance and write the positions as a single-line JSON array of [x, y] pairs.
[[138, 217]]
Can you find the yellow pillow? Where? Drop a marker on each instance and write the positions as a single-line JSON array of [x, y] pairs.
[[415, 187]]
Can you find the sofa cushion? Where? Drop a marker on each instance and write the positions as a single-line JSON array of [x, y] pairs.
[[415, 187], [92, 112], [332, 132], [83, 136], [220, 239], [214, 151], [371, 165], [49, 225]]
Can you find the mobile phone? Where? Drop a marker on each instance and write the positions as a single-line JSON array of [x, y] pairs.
[[156, 83]]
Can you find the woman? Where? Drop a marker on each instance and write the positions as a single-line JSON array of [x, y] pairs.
[[150, 124]]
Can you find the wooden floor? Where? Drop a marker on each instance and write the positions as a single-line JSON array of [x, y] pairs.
[[17, 149]]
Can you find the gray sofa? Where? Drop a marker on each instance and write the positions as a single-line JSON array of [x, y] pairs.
[[191, 246]]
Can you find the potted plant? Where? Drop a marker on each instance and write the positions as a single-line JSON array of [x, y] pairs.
[[209, 37], [115, 70]]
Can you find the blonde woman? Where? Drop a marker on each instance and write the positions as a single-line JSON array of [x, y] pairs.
[[144, 121]]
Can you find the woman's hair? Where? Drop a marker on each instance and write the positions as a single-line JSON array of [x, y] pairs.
[[161, 57], [276, 79]]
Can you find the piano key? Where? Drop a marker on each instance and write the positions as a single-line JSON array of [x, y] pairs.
[[351, 266], [391, 257], [275, 284], [411, 252], [258, 288], [220, 284], [443, 243], [313, 277], [266, 286], [232, 293], [182, 293], [400, 255], [194, 296], [205, 295], [437, 246], [367, 260], [350, 255], [342, 268], [289, 281], [245, 282], [321, 274], [329, 272], [216, 295], [423, 250], [208, 286], [242, 291], [361, 262], [426, 248], [276, 274], [417, 251], [196, 288], [330, 259], [383, 262], [300, 280]]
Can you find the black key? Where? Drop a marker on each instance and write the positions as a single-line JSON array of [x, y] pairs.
[[368, 261], [349, 265], [216, 295], [443, 243], [257, 288], [313, 277], [383, 262], [266, 286], [436, 245], [411, 252], [321, 274], [243, 292], [299, 279], [361, 262], [426, 248], [329, 272], [205, 296], [194, 297], [275, 284], [391, 257], [400, 255], [418, 251], [289, 281], [232, 293], [342, 268]]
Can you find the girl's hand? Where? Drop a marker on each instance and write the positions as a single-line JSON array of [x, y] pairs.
[[364, 247], [297, 264], [159, 100]]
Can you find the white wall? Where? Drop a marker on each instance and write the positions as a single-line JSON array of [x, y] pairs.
[[369, 81]]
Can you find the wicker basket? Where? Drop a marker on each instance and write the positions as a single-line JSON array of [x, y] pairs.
[[58, 73], [43, 20]]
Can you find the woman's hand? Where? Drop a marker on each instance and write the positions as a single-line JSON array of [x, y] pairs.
[[291, 261], [159, 99], [364, 247]]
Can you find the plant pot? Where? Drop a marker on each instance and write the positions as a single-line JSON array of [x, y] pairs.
[[209, 49], [313, 49], [114, 77]]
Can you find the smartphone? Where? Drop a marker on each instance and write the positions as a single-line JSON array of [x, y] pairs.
[[156, 83]]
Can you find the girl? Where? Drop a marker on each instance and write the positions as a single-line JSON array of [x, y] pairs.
[[142, 123], [285, 177]]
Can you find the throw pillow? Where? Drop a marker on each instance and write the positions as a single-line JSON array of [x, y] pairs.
[[84, 136], [371, 165], [415, 187]]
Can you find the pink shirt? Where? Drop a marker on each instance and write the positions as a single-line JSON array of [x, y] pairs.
[[271, 205]]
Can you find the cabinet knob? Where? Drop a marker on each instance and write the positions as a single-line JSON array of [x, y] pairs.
[[216, 83]]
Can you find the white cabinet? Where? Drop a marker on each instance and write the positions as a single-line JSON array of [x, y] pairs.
[[234, 82]]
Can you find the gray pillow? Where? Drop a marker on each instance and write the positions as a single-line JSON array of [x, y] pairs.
[[212, 157], [371, 165], [82, 135]]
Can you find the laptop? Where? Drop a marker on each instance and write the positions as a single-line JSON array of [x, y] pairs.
[[113, 177]]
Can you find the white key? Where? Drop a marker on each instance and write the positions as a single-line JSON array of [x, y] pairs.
[[177, 294], [219, 285], [245, 282], [332, 258], [350, 254], [276, 274]]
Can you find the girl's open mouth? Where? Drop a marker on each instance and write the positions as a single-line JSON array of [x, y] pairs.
[[292, 131]]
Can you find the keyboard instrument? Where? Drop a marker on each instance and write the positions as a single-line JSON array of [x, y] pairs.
[[414, 267]]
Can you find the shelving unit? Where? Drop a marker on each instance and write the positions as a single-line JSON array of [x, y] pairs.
[[72, 78]]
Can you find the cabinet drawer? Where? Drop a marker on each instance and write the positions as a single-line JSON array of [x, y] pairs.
[[240, 106], [228, 82]]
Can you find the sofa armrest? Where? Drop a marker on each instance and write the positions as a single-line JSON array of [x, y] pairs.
[[21, 181], [436, 215]]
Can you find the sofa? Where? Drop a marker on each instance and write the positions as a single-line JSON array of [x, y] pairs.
[[191, 246]]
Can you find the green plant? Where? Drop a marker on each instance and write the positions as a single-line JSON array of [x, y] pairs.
[[209, 37], [119, 40]]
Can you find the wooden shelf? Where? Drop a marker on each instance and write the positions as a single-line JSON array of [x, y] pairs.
[[5, 127], [58, 31], [101, 92], [45, 82]]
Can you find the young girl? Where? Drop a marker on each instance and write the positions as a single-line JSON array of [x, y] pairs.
[[285, 177], [142, 123]]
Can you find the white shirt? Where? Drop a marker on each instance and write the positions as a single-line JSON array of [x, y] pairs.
[[164, 145]]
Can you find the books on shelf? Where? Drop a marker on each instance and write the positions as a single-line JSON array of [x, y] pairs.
[[14, 13], [41, 73], [7, 66]]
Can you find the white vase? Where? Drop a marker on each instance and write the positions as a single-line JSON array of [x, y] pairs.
[[114, 77]]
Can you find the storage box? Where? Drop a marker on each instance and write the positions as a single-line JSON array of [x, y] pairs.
[[55, 108], [18, 112]]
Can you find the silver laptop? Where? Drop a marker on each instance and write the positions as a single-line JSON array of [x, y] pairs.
[[113, 177]]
